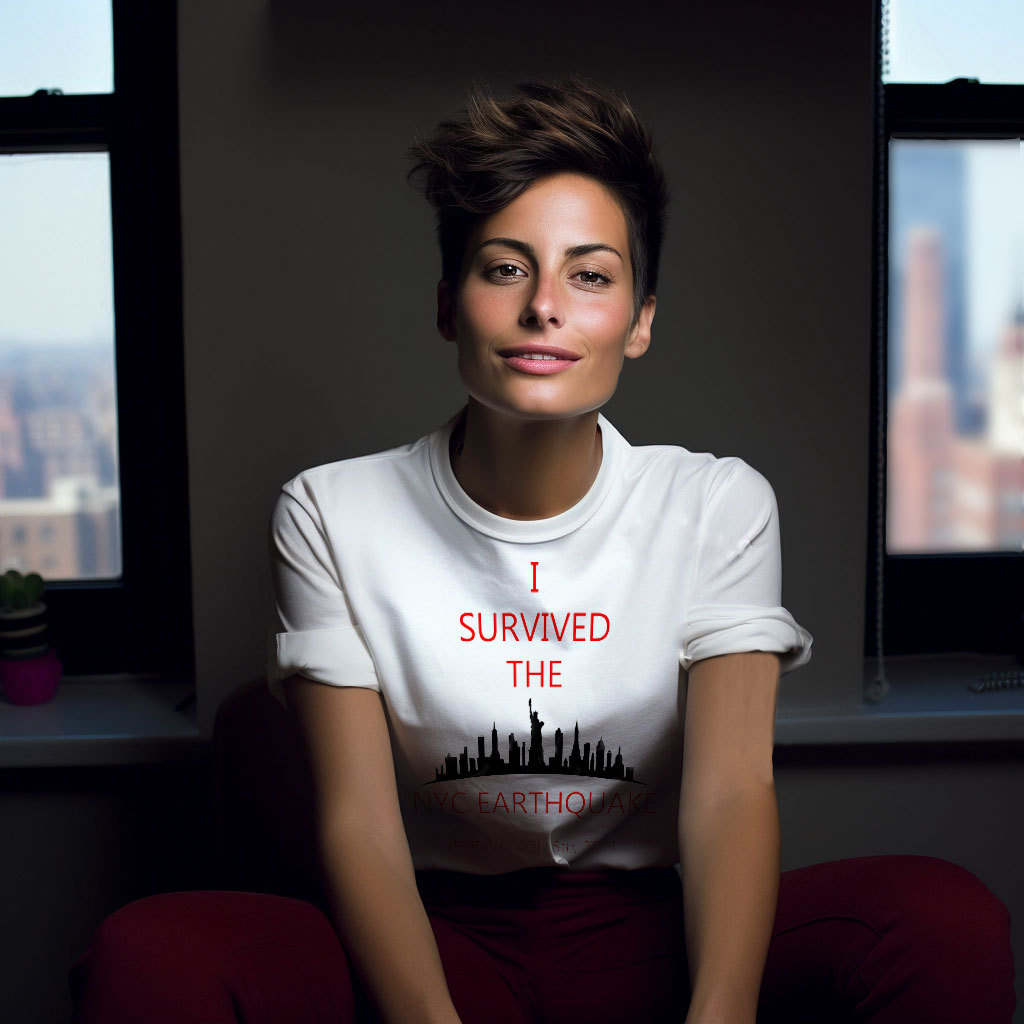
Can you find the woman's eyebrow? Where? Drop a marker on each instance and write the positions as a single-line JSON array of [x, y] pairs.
[[510, 243], [585, 250], [573, 251]]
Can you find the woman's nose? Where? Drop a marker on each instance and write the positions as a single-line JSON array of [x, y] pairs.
[[543, 305]]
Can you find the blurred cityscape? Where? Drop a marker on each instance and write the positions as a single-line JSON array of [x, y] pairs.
[[956, 411], [59, 493]]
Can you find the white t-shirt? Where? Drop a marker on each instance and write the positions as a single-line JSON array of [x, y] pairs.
[[530, 670]]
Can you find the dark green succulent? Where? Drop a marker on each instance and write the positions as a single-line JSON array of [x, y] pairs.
[[17, 591]]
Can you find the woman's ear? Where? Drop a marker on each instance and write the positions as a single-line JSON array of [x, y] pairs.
[[640, 332], [446, 310]]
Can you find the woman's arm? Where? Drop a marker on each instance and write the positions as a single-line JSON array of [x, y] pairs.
[[368, 869], [729, 832]]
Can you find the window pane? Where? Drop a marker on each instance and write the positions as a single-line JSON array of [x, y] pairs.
[[56, 44], [956, 346], [938, 40], [59, 494]]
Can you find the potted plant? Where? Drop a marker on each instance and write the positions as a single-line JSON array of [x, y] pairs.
[[29, 667]]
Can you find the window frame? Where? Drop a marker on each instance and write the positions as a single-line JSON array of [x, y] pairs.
[[141, 623], [932, 603]]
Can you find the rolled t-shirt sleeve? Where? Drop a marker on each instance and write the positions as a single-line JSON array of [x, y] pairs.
[[314, 634], [735, 602]]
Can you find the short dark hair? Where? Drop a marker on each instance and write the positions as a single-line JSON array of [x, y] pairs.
[[484, 157]]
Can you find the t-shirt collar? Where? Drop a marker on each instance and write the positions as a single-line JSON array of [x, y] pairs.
[[524, 531]]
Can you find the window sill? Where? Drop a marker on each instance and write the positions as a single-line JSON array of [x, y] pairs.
[[103, 720], [928, 702]]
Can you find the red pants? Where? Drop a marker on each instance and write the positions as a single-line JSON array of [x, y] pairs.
[[891, 940]]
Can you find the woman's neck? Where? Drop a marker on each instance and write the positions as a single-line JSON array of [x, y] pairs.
[[525, 469]]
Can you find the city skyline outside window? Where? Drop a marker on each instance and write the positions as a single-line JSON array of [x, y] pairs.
[[93, 474], [956, 346], [59, 490], [955, 469], [59, 487]]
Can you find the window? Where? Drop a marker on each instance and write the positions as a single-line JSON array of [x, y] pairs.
[[948, 407], [93, 484]]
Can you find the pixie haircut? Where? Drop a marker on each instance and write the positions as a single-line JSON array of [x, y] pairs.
[[483, 158]]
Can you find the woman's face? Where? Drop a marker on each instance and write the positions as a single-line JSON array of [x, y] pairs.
[[543, 314]]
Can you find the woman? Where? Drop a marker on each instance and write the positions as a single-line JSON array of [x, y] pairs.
[[506, 644]]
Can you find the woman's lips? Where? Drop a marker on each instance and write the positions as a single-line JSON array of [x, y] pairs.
[[540, 361]]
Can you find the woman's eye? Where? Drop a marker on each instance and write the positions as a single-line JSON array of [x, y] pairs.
[[505, 271], [592, 277]]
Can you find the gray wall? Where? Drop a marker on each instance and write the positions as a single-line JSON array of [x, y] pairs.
[[309, 280], [74, 846], [961, 805]]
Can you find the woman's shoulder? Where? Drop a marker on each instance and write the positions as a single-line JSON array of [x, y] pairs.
[[361, 474], [682, 471]]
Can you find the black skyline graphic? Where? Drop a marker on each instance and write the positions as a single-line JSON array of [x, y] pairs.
[[522, 760]]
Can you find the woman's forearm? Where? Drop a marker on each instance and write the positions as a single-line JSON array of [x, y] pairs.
[[729, 853], [380, 918]]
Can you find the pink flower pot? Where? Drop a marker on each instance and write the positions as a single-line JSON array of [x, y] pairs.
[[30, 680]]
